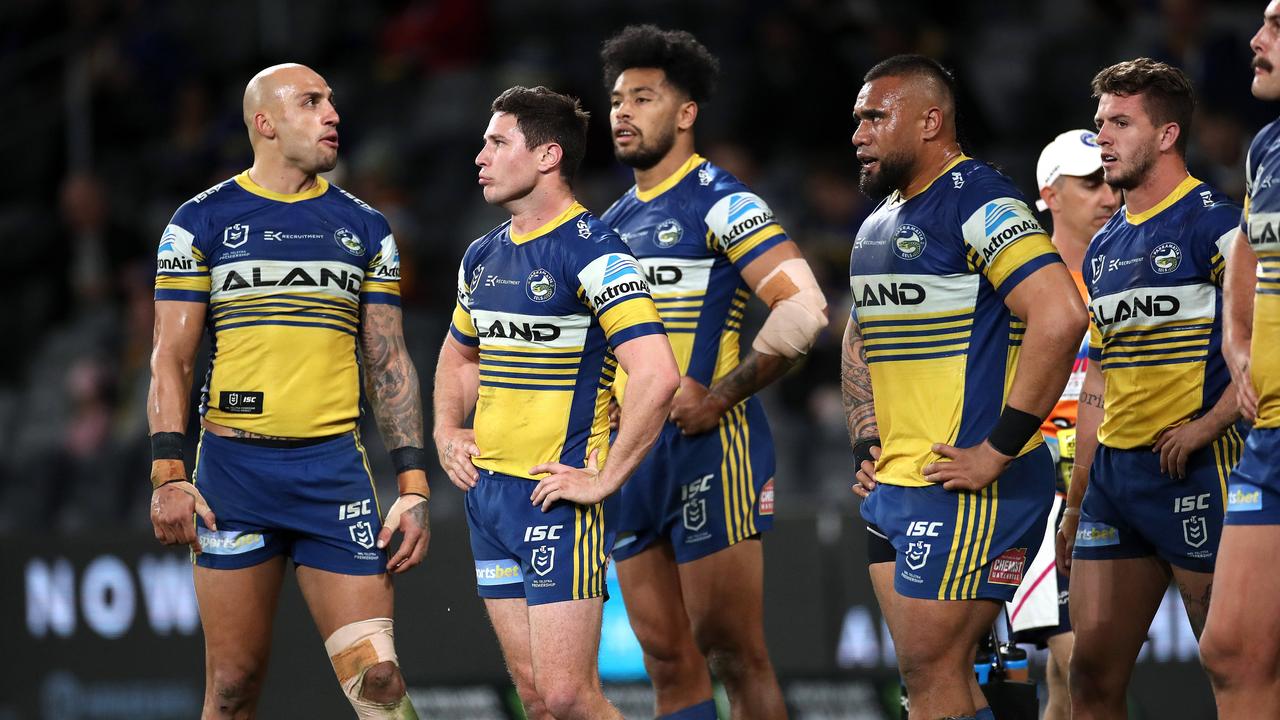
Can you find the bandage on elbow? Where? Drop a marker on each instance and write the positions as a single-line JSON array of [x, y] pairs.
[[797, 310]]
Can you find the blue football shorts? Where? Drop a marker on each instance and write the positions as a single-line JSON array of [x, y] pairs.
[[952, 545], [544, 557], [1253, 490], [1131, 509], [702, 493], [315, 503]]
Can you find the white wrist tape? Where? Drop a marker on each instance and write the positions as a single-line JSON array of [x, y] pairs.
[[797, 310]]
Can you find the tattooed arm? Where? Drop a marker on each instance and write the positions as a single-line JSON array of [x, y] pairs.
[[855, 387], [391, 384], [697, 408]]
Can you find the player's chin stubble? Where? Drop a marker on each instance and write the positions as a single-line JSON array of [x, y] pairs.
[[894, 173]]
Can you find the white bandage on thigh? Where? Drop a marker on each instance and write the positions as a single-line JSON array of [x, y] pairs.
[[355, 648], [797, 310]]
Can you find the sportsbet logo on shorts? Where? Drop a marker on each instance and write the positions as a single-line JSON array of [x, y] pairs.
[[1243, 497]]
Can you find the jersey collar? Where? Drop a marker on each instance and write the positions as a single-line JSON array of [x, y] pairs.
[[570, 212], [1174, 196], [646, 195], [899, 198], [247, 183]]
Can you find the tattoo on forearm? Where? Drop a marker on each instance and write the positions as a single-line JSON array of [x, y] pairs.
[[1093, 399], [391, 382], [755, 372], [855, 388]]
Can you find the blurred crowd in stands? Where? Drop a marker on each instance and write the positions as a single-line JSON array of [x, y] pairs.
[[117, 112]]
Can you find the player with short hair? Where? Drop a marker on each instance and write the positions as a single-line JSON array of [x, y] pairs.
[[961, 338], [1241, 641], [550, 305], [1069, 175], [1155, 438], [298, 283], [689, 555]]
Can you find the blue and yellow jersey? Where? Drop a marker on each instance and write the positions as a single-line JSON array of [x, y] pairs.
[[546, 310], [284, 277], [693, 233], [1261, 222], [929, 274], [1155, 289]]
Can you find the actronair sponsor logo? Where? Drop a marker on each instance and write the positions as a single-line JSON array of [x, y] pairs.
[[174, 253], [618, 267], [498, 572], [735, 216], [1244, 497], [1005, 221]]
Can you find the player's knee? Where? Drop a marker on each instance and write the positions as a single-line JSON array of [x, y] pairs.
[[234, 690], [1225, 661], [1092, 681], [382, 683], [364, 659], [933, 664], [565, 699]]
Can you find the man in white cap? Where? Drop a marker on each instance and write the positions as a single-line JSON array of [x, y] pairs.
[[1069, 174]]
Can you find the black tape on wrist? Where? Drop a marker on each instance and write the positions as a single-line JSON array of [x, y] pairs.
[[862, 451], [166, 446], [1013, 430], [409, 458]]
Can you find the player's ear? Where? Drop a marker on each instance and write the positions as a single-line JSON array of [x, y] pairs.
[[264, 126], [933, 121], [549, 157], [686, 115], [1169, 135]]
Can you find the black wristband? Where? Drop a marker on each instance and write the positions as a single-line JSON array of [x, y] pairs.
[[166, 446], [862, 451], [1013, 430], [408, 458]]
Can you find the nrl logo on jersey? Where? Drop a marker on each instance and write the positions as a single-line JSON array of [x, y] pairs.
[[236, 235], [543, 560], [917, 554]]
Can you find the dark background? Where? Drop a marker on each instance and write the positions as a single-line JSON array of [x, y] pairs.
[[117, 112]]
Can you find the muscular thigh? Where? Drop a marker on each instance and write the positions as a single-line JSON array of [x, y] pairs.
[[336, 600], [651, 585], [237, 608], [564, 641], [723, 592]]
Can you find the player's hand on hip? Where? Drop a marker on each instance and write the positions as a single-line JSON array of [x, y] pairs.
[[173, 506], [696, 409], [407, 516], [865, 477], [1065, 540], [455, 448], [1237, 356], [579, 485], [1175, 445], [971, 468]]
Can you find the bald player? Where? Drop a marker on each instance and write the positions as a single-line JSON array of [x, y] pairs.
[[298, 283], [964, 326]]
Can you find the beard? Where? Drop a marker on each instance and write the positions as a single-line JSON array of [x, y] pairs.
[[646, 154], [894, 174], [1130, 177]]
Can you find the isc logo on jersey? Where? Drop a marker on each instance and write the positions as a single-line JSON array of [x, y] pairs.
[[175, 254], [736, 216], [613, 276], [1003, 221]]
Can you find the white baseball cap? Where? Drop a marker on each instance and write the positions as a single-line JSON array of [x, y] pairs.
[[1074, 153]]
